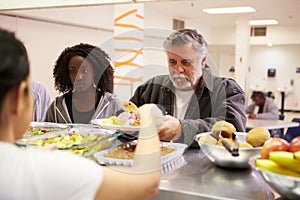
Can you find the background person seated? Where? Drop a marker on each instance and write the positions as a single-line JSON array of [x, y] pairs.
[[41, 100], [262, 107]]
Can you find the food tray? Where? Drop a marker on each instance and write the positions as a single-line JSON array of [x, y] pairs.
[[47, 126], [180, 148], [106, 139]]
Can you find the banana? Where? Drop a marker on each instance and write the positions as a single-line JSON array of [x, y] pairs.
[[285, 159], [297, 155], [274, 167]]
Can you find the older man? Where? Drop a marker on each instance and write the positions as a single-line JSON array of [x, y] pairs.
[[192, 98]]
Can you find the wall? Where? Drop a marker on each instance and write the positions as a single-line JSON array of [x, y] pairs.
[[285, 59], [276, 34], [45, 41]]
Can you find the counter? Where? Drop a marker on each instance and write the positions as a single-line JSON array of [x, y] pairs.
[[193, 176]]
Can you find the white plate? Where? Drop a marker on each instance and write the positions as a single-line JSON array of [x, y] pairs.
[[180, 148], [125, 128]]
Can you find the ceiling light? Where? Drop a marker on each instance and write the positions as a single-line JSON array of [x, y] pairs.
[[228, 10], [263, 22], [30, 4]]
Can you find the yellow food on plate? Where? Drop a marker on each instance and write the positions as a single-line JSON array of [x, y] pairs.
[[257, 136], [136, 122], [114, 120], [128, 117], [80, 143], [225, 128]]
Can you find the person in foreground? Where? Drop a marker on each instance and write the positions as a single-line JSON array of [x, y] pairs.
[[40, 174], [192, 98], [41, 101], [266, 107], [85, 77]]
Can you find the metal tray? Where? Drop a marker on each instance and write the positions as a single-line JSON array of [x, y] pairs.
[[105, 139], [48, 127], [180, 148]]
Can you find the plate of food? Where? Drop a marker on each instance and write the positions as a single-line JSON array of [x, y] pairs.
[[115, 123], [127, 121], [124, 154]]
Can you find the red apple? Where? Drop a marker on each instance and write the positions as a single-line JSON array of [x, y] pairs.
[[295, 144], [274, 144]]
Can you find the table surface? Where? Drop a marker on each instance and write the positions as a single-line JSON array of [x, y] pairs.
[[270, 124], [195, 177]]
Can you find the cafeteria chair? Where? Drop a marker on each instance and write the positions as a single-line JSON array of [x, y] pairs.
[[292, 132], [278, 132], [281, 117]]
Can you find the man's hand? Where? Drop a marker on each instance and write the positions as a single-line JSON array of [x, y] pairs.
[[170, 129], [252, 116]]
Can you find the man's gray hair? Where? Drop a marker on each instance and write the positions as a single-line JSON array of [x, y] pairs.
[[185, 36]]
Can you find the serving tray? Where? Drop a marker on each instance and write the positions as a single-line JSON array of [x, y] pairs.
[[180, 148]]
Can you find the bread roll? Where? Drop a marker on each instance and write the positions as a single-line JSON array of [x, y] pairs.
[[257, 136], [228, 140], [225, 128], [245, 145], [208, 139]]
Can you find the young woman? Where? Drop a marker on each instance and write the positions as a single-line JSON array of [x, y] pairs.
[[85, 77], [36, 174]]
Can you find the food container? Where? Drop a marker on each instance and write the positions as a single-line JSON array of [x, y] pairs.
[[83, 140], [40, 128], [221, 157], [179, 150], [287, 186]]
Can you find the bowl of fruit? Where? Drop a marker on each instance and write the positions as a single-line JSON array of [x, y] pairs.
[[279, 166]]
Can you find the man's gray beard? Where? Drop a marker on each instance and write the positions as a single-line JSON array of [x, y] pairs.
[[187, 86]]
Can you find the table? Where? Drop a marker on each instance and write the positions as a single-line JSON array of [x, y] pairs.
[[270, 124], [198, 178]]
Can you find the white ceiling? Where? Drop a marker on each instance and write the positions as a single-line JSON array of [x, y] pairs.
[[286, 12]]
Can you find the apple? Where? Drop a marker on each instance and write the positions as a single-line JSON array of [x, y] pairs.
[[274, 144], [294, 144]]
